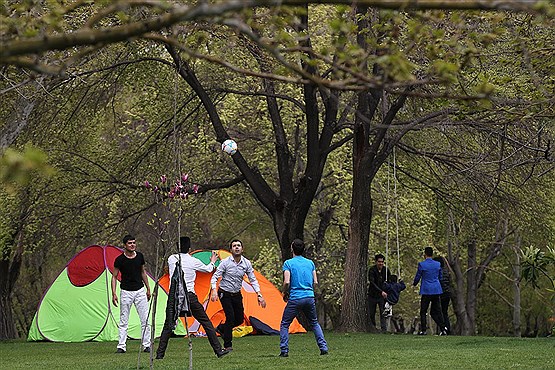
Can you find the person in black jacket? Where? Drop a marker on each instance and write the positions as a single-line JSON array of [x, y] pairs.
[[377, 275], [445, 297]]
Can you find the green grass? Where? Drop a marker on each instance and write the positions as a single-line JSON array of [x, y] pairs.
[[347, 351]]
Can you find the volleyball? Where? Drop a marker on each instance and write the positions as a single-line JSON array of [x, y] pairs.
[[229, 146]]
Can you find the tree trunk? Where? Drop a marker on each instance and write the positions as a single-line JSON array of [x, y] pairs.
[[354, 303], [10, 266], [471, 276], [9, 272], [354, 315], [7, 323], [516, 289], [458, 294]]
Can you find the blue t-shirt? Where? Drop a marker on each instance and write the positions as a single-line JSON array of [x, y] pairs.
[[302, 280]]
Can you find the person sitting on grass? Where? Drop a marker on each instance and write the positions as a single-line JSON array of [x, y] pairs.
[[393, 290]]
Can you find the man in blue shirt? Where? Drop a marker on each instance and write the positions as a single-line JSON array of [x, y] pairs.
[[430, 290], [299, 277]]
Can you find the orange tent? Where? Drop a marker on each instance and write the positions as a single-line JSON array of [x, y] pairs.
[[271, 315]]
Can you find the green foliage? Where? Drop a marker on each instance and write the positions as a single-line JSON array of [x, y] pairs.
[[115, 122], [269, 263], [537, 264], [17, 169]]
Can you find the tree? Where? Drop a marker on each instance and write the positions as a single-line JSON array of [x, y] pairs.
[[369, 74], [29, 30]]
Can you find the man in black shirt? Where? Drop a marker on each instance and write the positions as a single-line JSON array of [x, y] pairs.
[[131, 265], [377, 276]]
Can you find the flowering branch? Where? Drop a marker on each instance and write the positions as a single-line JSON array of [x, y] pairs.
[[179, 189]]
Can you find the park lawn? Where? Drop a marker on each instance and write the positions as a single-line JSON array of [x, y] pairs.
[[347, 351]]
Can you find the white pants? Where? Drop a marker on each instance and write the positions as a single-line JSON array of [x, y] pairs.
[[127, 299]]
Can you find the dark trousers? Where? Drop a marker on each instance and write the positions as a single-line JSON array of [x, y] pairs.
[[435, 310], [380, 302], [445, 299], [232, 304], [200, 315]]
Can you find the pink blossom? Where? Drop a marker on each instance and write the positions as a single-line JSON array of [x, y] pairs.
[[163, 179], [184, 177], [156, 189], [195, 188], [147, 184]]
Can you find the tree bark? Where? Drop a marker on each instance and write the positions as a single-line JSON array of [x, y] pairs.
[[472, 268], [458, 295], [10, 266], [7, 323], [516, 289]]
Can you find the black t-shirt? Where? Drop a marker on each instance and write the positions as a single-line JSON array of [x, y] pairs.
[[131, 278]]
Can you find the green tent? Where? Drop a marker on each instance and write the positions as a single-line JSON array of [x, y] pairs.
[[78, 307]]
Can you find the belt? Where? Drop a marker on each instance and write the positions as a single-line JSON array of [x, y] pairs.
[[229, 294]]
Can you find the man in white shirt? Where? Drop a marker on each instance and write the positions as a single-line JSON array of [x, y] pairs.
[[231, 270], [189, 266]]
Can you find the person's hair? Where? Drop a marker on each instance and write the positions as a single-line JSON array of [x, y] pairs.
[[127, 238], [439, 259], [378, 256], [392, 278], [428, 251], [184, 244], [298, 247], [234, 241]]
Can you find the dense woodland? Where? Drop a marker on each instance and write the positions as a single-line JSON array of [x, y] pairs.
[[363, 129]]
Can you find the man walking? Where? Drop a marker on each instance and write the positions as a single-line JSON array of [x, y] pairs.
[[429, 271], [131, 264], [188, 266], [299, 277], [231, 270], [377, 276]]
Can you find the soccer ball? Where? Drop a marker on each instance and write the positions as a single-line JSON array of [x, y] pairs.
[[229, 146]]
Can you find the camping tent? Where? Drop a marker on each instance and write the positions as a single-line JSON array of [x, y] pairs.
[[78, 305], [271, 315]]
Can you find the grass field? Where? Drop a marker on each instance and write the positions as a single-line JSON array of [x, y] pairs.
[[347, 351]]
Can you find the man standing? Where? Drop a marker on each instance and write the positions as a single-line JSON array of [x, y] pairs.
[[231, 270], [131, 264], [189, 266], [430, 290], [299, 277], [377, 276]]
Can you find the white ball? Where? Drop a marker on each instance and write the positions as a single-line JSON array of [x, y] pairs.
[[229, 146]]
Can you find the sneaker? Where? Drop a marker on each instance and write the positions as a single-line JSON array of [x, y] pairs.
[[159, 357], [422, 332], [146, 350], [284, 354], [229, 349], [222, 352], [443, 332], [323, 352], [120, 350]]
